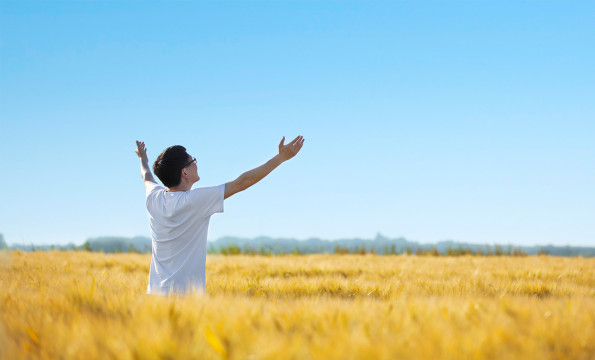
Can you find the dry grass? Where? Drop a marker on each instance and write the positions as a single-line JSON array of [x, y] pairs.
[[88, 305]]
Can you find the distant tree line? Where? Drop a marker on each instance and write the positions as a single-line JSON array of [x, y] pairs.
[[340, 250], [2, 243], [275, 246], [383, 246], [104, 244]]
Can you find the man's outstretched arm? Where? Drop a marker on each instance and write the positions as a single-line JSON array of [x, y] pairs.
[[253, 176], [145, 170]]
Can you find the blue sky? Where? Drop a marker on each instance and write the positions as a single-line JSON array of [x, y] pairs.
[[471, 121]]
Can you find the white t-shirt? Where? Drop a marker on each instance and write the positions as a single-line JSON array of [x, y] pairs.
[[179, 226]]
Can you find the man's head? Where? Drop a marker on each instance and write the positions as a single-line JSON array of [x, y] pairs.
[[174, 166]]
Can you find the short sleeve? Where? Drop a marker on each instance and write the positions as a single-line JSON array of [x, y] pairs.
[[208, 200], [151, 188]]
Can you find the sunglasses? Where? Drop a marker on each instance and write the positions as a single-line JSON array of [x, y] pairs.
[[190, 162]]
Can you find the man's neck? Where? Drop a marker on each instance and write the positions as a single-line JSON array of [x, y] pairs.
[[182, 187]]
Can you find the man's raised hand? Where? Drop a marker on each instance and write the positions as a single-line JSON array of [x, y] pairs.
[[288, 151], [141, 150]]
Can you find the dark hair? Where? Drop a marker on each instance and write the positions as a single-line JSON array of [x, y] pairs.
[[169, 164]]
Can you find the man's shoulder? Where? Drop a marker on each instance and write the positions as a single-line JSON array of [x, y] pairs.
[[207, 191], [209, 199], [153, 188], [208, 188]]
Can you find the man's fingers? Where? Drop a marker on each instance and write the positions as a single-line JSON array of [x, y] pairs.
[[295, 140], [299, 142], [291, 149], [299, 145], [140, 150]]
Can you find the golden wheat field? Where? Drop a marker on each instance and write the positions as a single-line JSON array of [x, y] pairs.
[[80, 305]]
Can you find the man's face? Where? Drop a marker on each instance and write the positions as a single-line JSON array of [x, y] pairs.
[[191, 170]]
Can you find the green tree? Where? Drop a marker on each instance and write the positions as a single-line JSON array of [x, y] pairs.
[[393, 249], [230, 250]]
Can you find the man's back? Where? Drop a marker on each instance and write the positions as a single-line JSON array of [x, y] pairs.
[[180, 215], [179, 227]]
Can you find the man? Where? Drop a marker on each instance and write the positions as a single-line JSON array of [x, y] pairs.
[[179, 215]]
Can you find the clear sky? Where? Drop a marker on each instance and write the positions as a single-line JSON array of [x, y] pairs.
[[465, 120]]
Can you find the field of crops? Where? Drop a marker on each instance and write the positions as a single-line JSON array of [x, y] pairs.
[[90, 305]]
